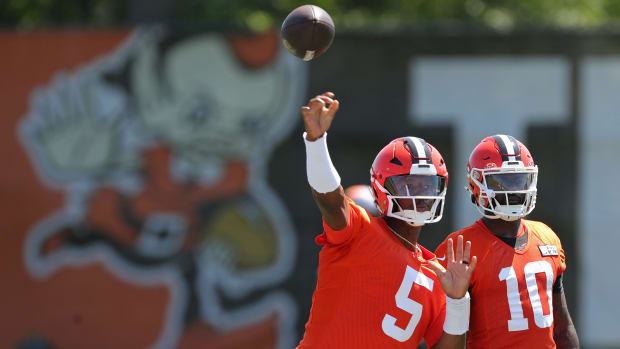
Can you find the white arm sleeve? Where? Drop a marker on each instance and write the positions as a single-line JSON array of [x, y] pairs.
[[457, 315], [322, 175]]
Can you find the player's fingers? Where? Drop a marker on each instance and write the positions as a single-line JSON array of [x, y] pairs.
[[316, 103], [459, 249], [309, 114], [325, 99], [472, 265], [317, 99], [437, 268], [333, 108], [305, 112], [450, 252], [467, 251], [328, 102], [328, 94]]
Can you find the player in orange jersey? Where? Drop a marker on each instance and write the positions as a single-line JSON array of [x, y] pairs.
[[517, 299], [377, 288]]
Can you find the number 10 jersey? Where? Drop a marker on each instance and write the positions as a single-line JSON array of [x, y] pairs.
[[511, 290]]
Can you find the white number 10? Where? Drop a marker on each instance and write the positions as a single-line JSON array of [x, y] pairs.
[[518, 322], [407, 304]]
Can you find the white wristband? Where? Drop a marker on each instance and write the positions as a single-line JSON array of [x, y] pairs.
[[322, 175], [457, 315]]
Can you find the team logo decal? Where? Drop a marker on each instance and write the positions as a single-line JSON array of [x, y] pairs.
[[548, 250]]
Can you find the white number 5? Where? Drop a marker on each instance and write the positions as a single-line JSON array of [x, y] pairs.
[[407, 304]]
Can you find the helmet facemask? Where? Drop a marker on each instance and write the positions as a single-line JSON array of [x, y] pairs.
[[506, 193], [416, 199]]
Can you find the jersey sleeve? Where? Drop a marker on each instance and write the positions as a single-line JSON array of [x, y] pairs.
[[561, 258], [550, 237], [435, 329], [358, 219], [554, 239]]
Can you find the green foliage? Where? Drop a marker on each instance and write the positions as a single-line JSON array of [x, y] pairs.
[[260, 15], [39, 13]]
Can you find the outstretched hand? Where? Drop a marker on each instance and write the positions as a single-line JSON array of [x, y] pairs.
[[318, 114], [455, 278]]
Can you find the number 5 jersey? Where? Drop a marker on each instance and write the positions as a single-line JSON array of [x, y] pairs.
[[511, 288], [371, 291]]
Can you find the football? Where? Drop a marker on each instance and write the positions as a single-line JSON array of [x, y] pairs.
[[307, 32]]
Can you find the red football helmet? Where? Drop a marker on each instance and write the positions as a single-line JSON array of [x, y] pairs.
[[409, 180], [502, 178]]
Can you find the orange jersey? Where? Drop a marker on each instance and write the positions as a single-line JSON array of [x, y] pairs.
[[371, 291], [511, 290]]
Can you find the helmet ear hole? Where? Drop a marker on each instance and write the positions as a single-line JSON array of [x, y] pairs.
[[473, 199]]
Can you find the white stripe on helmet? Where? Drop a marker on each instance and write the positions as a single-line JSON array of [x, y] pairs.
[[419, 147], [510, 147]]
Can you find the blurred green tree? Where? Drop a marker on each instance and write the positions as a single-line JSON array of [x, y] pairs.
[[27, 14], [258, 15]]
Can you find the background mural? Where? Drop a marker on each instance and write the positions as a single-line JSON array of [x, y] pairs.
[[159, 165]]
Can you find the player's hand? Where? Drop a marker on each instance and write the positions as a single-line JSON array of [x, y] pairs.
[[318, 114], [455, 279]]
